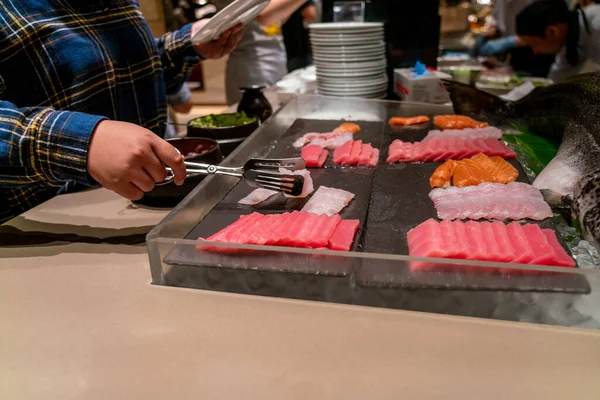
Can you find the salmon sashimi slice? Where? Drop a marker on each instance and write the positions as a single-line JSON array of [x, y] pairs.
[[457, 122], [348, 127], [473, 171], [409, 121]]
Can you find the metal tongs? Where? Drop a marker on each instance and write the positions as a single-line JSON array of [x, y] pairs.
[[257, 172]]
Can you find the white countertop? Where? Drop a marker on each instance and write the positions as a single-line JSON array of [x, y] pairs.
[[81, 321]]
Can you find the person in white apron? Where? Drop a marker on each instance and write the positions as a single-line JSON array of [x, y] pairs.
[[260, 58]]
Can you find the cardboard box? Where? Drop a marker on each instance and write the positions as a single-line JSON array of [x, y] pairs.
[[423, 89]]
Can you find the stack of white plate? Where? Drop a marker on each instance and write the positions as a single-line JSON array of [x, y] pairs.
[[350, 59]]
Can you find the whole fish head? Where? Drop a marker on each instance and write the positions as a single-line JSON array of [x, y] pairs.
[[586, 207]]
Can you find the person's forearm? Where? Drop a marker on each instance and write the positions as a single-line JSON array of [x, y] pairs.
[[43, 145], [278, 11]]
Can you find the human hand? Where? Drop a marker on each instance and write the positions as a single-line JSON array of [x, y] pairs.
[[220, 47], [129, 159]]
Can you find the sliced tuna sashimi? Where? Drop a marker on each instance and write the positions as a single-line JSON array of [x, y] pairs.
[[343, 236], [354, 153], [374, 158], [341, 154], [365, 154], [561, 258], [257, 196], [328, 201], [444, 149], [485, 241], [314, 156]]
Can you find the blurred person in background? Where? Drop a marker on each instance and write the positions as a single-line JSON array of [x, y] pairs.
[[295, 36], [260, 58], [501, 40], [573, 37]]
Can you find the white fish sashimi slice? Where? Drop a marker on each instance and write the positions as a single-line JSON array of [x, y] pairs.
[[305, 139], [329, 201], [329, 140], [308, 182], [257, 196], [515, 201], [489, 132]]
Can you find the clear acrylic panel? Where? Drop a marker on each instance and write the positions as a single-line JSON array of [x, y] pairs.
[[513, 292]]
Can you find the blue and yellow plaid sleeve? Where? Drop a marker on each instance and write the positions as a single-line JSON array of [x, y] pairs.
[[178, 57], [40, 146]]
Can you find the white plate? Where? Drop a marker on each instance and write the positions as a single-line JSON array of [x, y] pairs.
[[332, 51], [353, 88], [349, 73], [381, 62], [381, 85], [345, 38], [240, 11], [355, 47], [337, 26], [348, 42], [354, 94], [352, 58], [375, 80], [342, 35]]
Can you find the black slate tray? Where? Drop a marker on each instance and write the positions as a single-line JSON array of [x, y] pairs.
[[390, 200]]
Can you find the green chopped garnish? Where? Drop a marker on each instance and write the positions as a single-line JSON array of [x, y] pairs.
[[222, 120]]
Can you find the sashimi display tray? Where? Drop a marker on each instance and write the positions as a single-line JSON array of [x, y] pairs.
[[389, 201]]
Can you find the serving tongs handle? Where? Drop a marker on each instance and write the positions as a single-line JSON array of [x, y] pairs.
[[209, 169]]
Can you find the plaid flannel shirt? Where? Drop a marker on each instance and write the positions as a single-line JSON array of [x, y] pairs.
[[64, 66]]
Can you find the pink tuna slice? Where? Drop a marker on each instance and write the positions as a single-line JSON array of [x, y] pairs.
[[344, 234]]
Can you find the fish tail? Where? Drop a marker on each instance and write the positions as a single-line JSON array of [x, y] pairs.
[[478, 104]]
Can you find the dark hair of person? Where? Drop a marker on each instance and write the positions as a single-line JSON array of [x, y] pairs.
[[536, 17]]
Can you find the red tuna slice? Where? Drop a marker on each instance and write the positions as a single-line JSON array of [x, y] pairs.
[[507, 251], [443, 151], [426, 240], [354, 153], [302, 236], [246, 232], [374, 158], [329, 228], [285, 234], [314, 156], [232, 235], [266, 237], [477, 246], [344, 234], [543, 252], [449, 239], [341, 154], [523, 252], [365, 154], [425, 151], [493, 251], [462, 240], [322, 158], [219, 236], [258, 231], [561, 258], [315, 239], [498, 148], [279, 227]]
